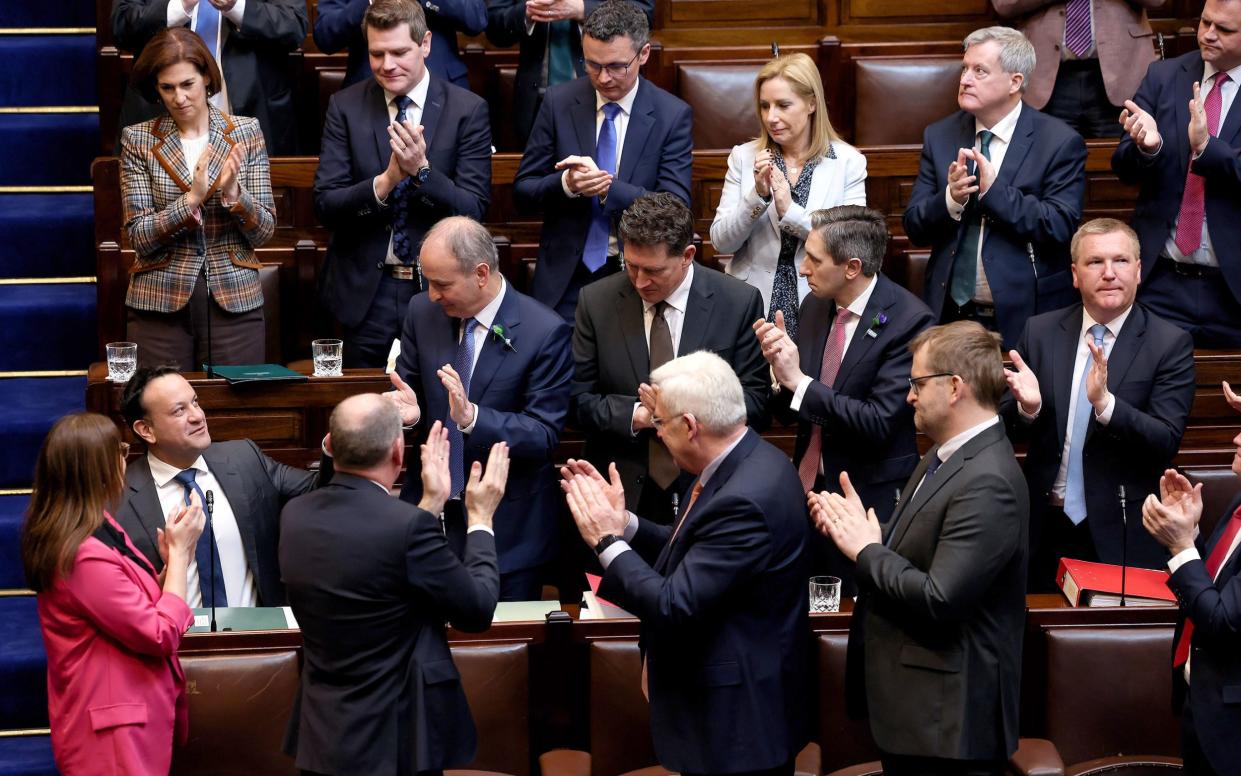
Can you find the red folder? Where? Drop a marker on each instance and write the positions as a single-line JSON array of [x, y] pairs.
[[1098, 584]]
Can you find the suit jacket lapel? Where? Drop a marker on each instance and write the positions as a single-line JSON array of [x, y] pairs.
[[238, 494], [641, 120], [1124, 351], [1190, 72], [1063, 362], [221, 143], [144, 499], [583, 114], [1018, 147], [494, 351], [169, 153], [432, 111], [629, 314], [881, 299], [376, 105], [697, 313], [813, 335]]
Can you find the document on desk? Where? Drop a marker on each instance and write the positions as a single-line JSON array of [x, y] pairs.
[[524, 611], [596, 608], [245, 618]]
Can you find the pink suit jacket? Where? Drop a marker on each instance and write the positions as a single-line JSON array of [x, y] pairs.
[[116, 691]]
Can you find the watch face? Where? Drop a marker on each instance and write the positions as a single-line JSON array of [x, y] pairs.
[[423, 174]]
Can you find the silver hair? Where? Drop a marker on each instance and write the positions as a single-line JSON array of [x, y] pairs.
[[705, 386], [468, 241], [1016, 51]]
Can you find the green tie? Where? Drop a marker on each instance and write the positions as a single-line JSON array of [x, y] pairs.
[[559, 52], [965, 267]]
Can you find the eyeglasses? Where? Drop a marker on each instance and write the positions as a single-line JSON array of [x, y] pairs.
[[124, 449], [915, 383], [615, 69], [659, 422]]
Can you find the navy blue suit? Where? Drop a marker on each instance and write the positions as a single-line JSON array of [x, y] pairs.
[[1165, 94], [1215, 655], [356, 149], [1150, 371], [338, 25], [1032, 210], [657, 156], [522, 393], [724, 623]]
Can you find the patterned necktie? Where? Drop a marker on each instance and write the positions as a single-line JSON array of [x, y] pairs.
[[1077, 35], [560, 52], [210, 583], [662, 468], [463, 363], [1193, 202], [595, 255], [833, 352], [965, 267], [402, 247], [1216, 559], [1075, 486], [207, 25]]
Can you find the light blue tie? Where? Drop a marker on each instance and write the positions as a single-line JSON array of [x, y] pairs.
[[1075, 488], [595, 254], [207, 25]]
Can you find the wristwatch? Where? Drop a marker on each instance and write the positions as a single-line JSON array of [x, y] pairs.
[[606, 542], [423, 173]]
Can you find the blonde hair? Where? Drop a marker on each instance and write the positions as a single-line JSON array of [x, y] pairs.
[[803, 78], [1098, 226]]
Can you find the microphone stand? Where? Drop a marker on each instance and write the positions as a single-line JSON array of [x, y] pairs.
[[1124, 541], [202, 236], [211, 537]]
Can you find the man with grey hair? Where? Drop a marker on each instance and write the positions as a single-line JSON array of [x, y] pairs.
[[722, 593], [372, 581], [493, 365], [998, 195], [856, 326]]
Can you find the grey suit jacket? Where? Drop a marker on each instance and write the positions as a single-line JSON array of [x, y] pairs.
[[256, 487], [936, 635]]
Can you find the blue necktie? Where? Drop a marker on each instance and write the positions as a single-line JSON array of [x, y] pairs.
[[464, 364], [207, 25], [401, 246], [1075, 487], [210, 584], [596, 253]]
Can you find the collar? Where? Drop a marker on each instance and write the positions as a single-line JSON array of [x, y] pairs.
[[711, 468], [487, 316], [1114, 326], [1003, 128], [1209, 70], [957, 442], [679, 298], [626, 102], [418, 94], [163, 472], [858, 306]]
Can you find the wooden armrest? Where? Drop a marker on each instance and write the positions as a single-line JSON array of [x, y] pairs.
[[1036, 757], [1126, 765], [565, 762]]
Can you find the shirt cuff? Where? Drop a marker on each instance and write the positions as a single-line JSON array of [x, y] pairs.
[[631, 527], [177, 17], [470, 428], [235, 13], [633, 431], [608, 555], [529, 26], [1152, 154], [480, 527], [1030, 416], [378, 200], [955, 209], [1178, 560], [1105, 416], [800, 393], [564, 184]]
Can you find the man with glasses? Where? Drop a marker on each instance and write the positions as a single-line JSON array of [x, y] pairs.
[[598, 143], [1103, 391], [940, 619], [662, 306]]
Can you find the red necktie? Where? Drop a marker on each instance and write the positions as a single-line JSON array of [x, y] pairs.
[[1216, 559], [833, 352], [1193, 203]]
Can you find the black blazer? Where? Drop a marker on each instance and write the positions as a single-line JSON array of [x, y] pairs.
[[256, 487], [1215, 654], [356, 149], [371, 581], [724, 618], [935, 639], [612, 358], [1150, 371], [868, 428]]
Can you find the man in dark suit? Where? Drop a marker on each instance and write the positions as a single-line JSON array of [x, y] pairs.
[[940, 618], [998, 194], [494, 365], [549, 34], [251, 39], [400, 152], [1183, 147], [247, 490], [598, 144], [338, 25], [628, 324], [856, 326], [1102, 389], [722, 594], [371, 581]]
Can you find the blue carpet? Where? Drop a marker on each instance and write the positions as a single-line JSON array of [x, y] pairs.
[[47, 235], [41, 70], [12, 514], [48, 149], [40, 401], [57, 13], [47, 326], [27, 756], [23, 665]]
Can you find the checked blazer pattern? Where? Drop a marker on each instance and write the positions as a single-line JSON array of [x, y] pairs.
[[170, 242]]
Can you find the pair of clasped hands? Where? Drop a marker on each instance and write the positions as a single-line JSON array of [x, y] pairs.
[[201, 187], [584, 178], [409, 155]]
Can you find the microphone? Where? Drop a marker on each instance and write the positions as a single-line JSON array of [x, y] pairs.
[[207, 281], [1124, 540], [211, 536]]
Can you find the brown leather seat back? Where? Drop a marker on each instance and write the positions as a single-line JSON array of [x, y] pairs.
[[897, 97], [269, 280], [722, 96], [496, 678], [1220, 487], [844, 741], [1109, 692], [502, 134], [239, 712], [620, 720]]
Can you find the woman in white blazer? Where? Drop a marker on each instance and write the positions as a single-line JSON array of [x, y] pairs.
[[796, 166]]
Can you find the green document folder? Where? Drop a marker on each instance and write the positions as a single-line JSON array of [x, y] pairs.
[[257, 373]]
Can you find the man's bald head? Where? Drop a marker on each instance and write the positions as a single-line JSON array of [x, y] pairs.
[[364, 429]]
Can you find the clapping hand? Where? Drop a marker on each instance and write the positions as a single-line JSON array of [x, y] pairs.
[[199, 184], [181, 530], [1172, 518], [763, 167], [1141, 127], [583, 176], [984, 170], [961, 184], [436, 476], [594, 506], [1023, 384], [555, 10], [1096, 378], [460, 409], [1199, 133], [484, 491], [779, 350], [409, 147], [405, 399], [844, 519], [612, 488], [230, 189], [1233, 399]]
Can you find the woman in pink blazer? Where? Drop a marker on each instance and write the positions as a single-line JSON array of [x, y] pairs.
[[111, 627]]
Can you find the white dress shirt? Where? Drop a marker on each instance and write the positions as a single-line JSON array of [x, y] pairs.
[[621, 123], [674, 315], [857, 307], [177, 17], [954, 444], [483, 322]]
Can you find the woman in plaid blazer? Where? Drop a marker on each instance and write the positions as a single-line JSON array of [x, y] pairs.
[[197, 202]]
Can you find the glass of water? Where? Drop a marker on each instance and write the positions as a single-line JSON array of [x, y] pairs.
[[328, 354], [824, 594], [122, 360]]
